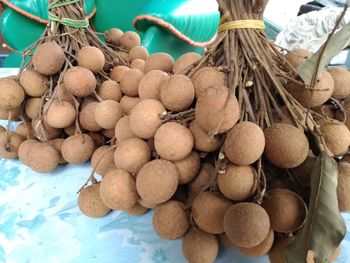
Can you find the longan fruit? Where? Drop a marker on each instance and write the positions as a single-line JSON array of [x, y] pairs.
[[113, 36], [206, 77], [118, 72], [161, 61], [9, 144], [91, 58], [188, 167], [33, 83], [203, 178], [150, 84], [341, 77], [25, 130], [130, 82], [128, 103], [33, 107], [11, 94], [202, 140], [336, 136], [136, 210], [87, 117], [48, 58], [297, 57], [79, 81], [185, 61], [138, 52], [123, 130], [108, 113], [138, 64], [110, 90], [102, 160], [42, 158], [129, 40], [57, 144], [78, 148], [60, 114], [260, 250]]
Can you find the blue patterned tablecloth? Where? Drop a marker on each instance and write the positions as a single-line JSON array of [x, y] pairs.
[[40, 222]]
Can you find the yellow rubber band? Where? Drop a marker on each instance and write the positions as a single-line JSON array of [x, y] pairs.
[[238, 24]]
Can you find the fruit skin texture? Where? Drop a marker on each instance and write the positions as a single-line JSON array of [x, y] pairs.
[[110, 90], [206, 77], [87, 117], [138, 52], [91, 58], [60, 114], [11, 94], [108, 113], [79, 81], [42, 158], [128, 103], [208, 210], [245, 143], [9, 150], [90, 202], [202, 140], [188, 167], [261, 249], [343, 189], [48, 58], [136, 210], [118, 72], [287, 211], [336, 136], [150, 84], [238, 182], [118, 190], [129, 83], [285, 145], [34, 84], [217, 111], [78, 148], [173, 141], [170, 220], [157, 181], [103, 160], [123, 130], [129, 40], [203, 178], [57, 144], [297, 57], [341, 79], [161, 61], [185, 61], [200, 247], [246, 224], [113, 36], [131, 155]]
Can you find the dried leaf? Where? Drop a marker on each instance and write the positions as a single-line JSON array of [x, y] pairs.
[[325, 227]]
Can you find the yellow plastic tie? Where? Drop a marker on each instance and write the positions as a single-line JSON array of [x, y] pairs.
[[238, 24]]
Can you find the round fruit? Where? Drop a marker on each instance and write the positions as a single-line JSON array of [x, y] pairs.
[[202, 140], [145, 118], [13, 114], [118, 72], [79, 81], [91, 58], [78, 148], [157, 181], [123, 130], [60, 114], [9, 144], [131, 155], [238, 182], [44, 131], [128, 103], [11, 94], [57, 144], [173, 134], [146, 204], [170, 220], [136, 210], [336, 136], [297, 57], [138, 52], [108, 113], [246, 224], [34, 84], [118, 190], [188, 167], [113, 36], [245, 143], [343, 188], [150, 84], [217, 110], [129, 84], [208, 210], [161, 61], [206, 77], [42, 158], [33, 107], [24, 149], [285, 145], [341, 79], [24, 130], [87, 117], [225, 242], [261, 249], [110, 90], [138, 64], [102, 161], [287, 211], [185, 61], [130, 40], [203, 178], [90, 202], [48, 58], [177, 93], [200, 247]]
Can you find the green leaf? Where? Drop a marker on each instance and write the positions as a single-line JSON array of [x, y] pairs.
[[337, 43], [324, 228]]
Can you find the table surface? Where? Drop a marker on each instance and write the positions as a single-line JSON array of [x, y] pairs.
[[40, 222]]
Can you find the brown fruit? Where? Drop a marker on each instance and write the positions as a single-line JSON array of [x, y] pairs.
[[11, 94], [145, 118], [90, 202], [128, 103], [202, 140], [113, 36], [14, 114], [157, 181], [170, 220], [33, 83], [25, 130], [87, 117], [238, 182], [79, 81], [130, 82], [208, 210], [23, 150], [110, 90], [217, 110], [91, 58], [341, 77], [33, 107], [118, 72], [206, 77], [57, 144], [323, 90], [150, 84], [129, 40], [78, 148], [285, 145], [103, 160], [246, 224], [245, 143], [336, 136], [64, 95], [287, 211], [138, 52], [108, 133], [42, 158], [123, 56], [146, 204], [297, 57], [226, 242], [161, 61], [42, 130], [48, 58], [177, 93], [173, 134], [203, 178], [136, 210], [108, 113], [200, 247], [123, 130], [185, 61], [276, 254], [131, 155], [138, 64], [118, 190], [188, 167], [343, 188], [9, 144], [60, 114], [261, 249]]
